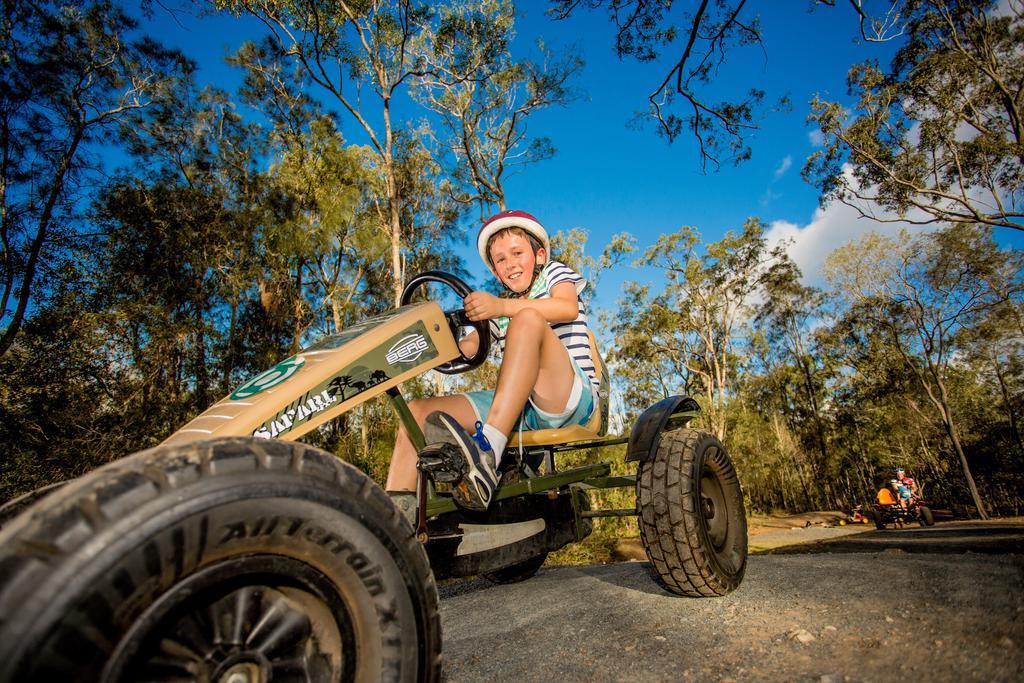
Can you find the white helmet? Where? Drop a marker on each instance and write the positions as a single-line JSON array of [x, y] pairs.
[[510, 219]]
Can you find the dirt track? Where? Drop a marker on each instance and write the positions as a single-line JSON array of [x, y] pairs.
[[940, 604]]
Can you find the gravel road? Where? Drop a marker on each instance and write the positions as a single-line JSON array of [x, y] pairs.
[[939, 604]]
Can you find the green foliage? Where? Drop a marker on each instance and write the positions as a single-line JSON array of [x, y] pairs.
[[937, 137], [916, 342], [484, 97], [70, 79], [599, 546], [686, 338]]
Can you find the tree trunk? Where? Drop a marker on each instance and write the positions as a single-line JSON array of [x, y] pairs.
[[1011, 414], [951, 432], [394, 213], [229, 349], [786, 451], [942, 401], [7, 340], [364, 432], [336, 314], [202, 374], [297, 309], [819, 427], [5, 218]]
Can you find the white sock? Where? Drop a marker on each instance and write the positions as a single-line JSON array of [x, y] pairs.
[[498, 441]]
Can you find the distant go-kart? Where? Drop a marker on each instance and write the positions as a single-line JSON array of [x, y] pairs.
[[232, 553], [897, 515]]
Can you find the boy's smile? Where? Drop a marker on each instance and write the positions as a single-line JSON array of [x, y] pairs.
[[514, 260]]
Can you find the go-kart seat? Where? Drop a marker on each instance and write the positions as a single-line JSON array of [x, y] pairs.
[[596, 426]]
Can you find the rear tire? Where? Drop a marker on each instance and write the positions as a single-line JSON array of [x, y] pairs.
[[199, 562], [692, 522], [927, 518], [879, 524], [517, 572]]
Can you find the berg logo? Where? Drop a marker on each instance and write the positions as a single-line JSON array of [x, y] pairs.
[[407, 349], [268, 378]]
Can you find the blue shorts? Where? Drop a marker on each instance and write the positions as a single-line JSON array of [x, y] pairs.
[[578, 410]]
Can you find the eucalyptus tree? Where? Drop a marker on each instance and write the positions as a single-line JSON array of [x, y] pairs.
[[995, 347], [920, 295], [196, 139], [939, 136], [648, 360], [70, 75], [319, 235], [485, 117], [696, 39], [362, 56], [766, 434], [429, 208], [787, 316], [321, 228], [693, 330]]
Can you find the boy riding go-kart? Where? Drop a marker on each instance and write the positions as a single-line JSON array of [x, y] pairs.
[[899, 504], [234, 553]]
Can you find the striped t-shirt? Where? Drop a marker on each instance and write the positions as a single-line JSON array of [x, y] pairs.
[[573, 334]]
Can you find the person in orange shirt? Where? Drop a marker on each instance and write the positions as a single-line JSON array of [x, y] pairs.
[[885, 496]]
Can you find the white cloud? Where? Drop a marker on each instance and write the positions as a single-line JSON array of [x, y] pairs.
[[830, 227], [783, 167], [816, 138], [1007, 8]]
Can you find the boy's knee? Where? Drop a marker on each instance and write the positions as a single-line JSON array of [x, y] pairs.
[[526, 320]]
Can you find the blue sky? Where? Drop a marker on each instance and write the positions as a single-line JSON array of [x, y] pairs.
[[608, 176]]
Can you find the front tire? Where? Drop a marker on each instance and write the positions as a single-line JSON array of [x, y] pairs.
[[692, 522], [14, 507], [235, 559]]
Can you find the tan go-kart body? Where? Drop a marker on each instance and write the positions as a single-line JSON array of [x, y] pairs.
[[330, 377], [343, 370]]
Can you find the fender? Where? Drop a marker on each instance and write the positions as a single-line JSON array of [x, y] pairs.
[[669, 413]]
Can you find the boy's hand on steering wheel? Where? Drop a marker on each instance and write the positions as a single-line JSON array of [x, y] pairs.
[[483, 306]]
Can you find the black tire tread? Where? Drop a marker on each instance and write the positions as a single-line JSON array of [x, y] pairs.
[[668, 519], [927, 517], [35, 546]]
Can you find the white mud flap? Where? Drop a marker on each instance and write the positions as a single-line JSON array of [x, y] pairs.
[[480, 537]]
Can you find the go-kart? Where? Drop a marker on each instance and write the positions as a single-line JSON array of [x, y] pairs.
[[898, 516], [233, 553]]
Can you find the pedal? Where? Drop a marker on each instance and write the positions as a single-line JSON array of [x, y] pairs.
[[443, 463]]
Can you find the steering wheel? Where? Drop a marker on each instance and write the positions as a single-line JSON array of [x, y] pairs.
[[456, 319]]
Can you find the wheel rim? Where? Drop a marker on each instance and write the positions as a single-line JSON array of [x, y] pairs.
[[244, 620], [714, 506]]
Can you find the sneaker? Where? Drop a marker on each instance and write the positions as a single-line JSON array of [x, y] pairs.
[[477, 486]]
